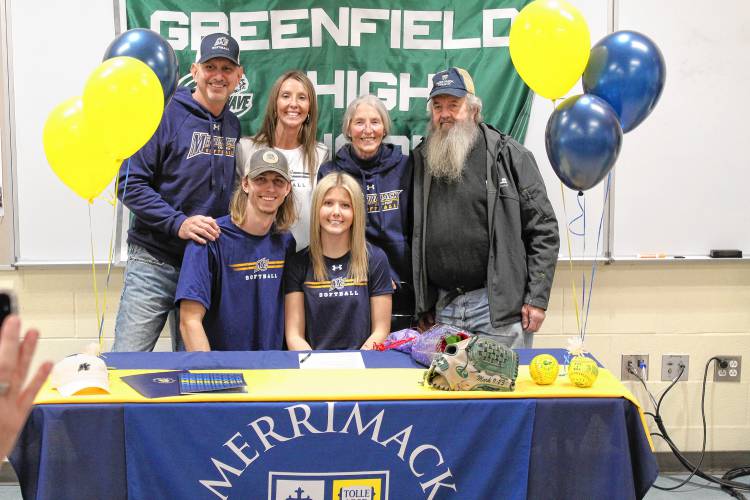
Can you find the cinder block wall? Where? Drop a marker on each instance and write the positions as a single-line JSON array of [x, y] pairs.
[[696, 308]]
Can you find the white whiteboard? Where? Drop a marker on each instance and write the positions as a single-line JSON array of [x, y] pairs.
[[683, 181], [54, 47]]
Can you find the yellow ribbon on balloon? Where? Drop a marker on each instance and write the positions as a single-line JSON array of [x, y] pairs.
[[75, 156], [549, 46], [123, 102]]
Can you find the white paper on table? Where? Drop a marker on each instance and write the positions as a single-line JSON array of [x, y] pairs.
[[331, 360]]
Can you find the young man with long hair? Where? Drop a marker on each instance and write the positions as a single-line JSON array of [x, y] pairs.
[[230, 290]]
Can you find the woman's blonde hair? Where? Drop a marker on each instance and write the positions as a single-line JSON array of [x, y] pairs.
[[286, 215], [307, 134], [357, 245]]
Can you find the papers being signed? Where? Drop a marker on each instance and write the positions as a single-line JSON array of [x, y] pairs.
[[330, 360]]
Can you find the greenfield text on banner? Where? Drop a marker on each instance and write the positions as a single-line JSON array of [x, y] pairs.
[[348, 49]]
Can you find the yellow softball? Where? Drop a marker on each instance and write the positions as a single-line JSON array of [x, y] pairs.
[[582, 371], [543, 369]]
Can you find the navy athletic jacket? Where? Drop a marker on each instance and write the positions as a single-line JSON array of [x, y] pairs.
[[186, 168]]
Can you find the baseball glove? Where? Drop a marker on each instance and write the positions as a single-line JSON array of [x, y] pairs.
[[478, 363]]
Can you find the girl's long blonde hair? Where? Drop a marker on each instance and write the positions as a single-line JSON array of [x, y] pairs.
[[357, 245], [307, 134]]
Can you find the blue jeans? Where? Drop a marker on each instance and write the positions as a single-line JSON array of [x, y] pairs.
[[470, 311], [147, 302]]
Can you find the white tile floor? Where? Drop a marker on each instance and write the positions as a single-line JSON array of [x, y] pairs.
[[9, 492], [697, 489]]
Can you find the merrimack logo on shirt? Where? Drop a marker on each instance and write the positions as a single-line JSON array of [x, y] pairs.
[[338, 283], [389, 200], [261, 265], [259, 268], [203, 143], [337, 287]]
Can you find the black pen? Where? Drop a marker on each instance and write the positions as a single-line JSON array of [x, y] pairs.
[[305, 358]]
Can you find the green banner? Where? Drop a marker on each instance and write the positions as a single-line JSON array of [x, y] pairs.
[[352, 48]]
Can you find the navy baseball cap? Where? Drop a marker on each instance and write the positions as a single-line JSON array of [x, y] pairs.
[[219, 45], [452, 81]]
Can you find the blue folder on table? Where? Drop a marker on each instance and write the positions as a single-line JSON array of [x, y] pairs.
[[175, 383], [156, 384]]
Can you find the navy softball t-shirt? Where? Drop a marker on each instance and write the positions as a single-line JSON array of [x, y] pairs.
[[238, 278], [337, 310]]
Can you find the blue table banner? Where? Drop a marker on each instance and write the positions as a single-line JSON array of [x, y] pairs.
[[329, 450]]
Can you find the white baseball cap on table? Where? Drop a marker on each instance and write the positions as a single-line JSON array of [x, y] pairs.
[[80, 372]]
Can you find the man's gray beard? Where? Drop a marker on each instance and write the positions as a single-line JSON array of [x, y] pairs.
[[447, 149]]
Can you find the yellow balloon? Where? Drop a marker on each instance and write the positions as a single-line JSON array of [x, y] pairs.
[[544, 369], [582, 371], [77, 159], [549, 46], [123, 102]]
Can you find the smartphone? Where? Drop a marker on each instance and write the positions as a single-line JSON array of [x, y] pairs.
[[7, 304]]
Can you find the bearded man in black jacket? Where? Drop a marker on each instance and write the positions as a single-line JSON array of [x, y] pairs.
[[485, 237]]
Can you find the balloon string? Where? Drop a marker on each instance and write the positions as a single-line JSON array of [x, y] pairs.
[[596, 255], [580, 197], [570, 261], [99, 317], [582, 208], [110, 260], [124, 186], [581, 216]]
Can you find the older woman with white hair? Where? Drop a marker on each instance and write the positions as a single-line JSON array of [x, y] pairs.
[[385, 176]]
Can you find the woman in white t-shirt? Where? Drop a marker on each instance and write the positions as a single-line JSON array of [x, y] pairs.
[[290, 125]]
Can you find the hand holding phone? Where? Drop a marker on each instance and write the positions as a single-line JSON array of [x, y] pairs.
[[7, 304], [15, 358]]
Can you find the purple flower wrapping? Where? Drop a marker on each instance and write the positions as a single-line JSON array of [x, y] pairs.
[[429, 343], [400, 335]]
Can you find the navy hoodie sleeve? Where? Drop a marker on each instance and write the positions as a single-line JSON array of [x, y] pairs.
[[326, 168], [136, 184]]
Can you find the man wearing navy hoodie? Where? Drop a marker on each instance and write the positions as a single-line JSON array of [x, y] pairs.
[[176, 186]]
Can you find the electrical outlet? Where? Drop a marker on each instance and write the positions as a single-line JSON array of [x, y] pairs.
[[638, 362], [729, 369], [670, 366]]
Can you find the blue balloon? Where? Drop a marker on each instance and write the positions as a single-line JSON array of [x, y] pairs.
[[627, 70], [583, 139], [149, 47]]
